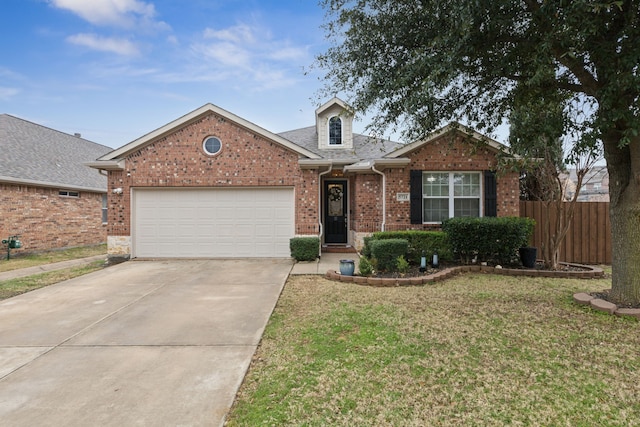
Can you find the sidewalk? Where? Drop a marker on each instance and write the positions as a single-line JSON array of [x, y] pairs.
[[22, 272], [328, 261]]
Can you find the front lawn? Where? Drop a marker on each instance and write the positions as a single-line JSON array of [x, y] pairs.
[[18, 260], [13, 287], [480, 350]]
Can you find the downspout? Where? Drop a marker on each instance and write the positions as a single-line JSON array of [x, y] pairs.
[[320, 175], [384, 195]]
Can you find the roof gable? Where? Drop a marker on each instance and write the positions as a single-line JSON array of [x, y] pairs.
[[452, 127], [37, 155], [192, 117]]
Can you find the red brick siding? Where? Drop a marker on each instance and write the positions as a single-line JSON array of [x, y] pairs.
[[45, 220], [442, 154], [366, 202], [246, 160]]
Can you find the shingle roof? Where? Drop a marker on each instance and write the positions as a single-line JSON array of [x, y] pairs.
[[35, 154], [364, 147]]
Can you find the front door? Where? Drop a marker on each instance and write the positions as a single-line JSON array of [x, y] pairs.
[[335, 211]]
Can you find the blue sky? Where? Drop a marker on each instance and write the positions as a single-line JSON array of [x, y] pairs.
[[114, 70]]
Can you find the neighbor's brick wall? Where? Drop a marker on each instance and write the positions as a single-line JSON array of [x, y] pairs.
[[446, 154], [44, 220], [246, 160]]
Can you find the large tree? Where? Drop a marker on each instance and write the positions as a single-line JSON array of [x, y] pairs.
[[419, 63], [547, 142]]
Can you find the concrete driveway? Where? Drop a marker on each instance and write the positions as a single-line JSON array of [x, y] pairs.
[[144, 343]]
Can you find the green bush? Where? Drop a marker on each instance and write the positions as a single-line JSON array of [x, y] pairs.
[[304, 248], [402, 265], [386, 252], [490, 239], [427, 242], [366, 249], [364, 267]]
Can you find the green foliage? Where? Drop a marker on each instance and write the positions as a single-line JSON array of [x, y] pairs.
[[402, 265], [430, 61], [387, 251], [364, 267], [427, 242], [422, 63], [304, 248], [366, 249], [490, 239]]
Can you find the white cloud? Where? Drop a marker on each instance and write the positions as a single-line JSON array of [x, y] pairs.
[[250, 54], [7, 93], [120, 13], [226, 54], [241, 33], [289, 53], [104, 44]]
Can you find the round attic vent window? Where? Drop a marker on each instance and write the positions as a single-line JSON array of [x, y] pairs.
[[212, 145]]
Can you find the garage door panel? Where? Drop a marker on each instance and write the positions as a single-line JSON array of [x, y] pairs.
[[256, 222]]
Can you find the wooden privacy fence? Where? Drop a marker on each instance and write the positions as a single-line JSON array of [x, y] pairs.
[[588, 240]]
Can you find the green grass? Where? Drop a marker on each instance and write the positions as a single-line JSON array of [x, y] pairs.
[[13, 287], [31, 260], [479, 350]]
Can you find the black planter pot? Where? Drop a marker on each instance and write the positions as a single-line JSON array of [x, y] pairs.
[[528, 256]]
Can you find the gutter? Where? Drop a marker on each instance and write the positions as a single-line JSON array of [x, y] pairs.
[[384, 196], [61, 185], [107, 165]]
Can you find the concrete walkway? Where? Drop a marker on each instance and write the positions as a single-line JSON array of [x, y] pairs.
[[145, 343], [328, 261], [30, 271], [139, 343]]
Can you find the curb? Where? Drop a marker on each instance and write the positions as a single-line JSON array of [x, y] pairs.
[[589, 272]]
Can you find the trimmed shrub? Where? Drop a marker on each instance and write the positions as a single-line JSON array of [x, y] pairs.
[[402, 265], [387, 251], [427, 242], [366, 249], [364, 267], [490, 239], [304, 248]]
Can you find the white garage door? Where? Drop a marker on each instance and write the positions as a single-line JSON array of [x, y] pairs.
[[212, 223]]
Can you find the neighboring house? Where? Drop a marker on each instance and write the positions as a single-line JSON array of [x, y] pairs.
[[47, 195], [595, 185], [212, 184]]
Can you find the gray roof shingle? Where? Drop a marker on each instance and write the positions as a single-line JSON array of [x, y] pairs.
[[31, 153], [364, 147]]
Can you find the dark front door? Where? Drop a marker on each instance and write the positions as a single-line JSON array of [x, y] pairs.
[[335, 211]]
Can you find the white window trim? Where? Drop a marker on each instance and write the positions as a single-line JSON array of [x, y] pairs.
[[451, 197], [104, 210], [329, 144], [69, 193]]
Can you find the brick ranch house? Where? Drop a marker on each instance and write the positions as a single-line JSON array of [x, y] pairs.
[[47, 195], [212, 184]]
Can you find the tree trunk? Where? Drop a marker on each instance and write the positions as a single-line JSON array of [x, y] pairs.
[[623, 165]]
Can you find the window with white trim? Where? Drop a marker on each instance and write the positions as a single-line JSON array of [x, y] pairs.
[[69, 193], [450, 194], [335, 131], [105, 209]]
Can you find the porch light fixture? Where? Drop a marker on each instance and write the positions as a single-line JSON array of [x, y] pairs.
[[117, 190]]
